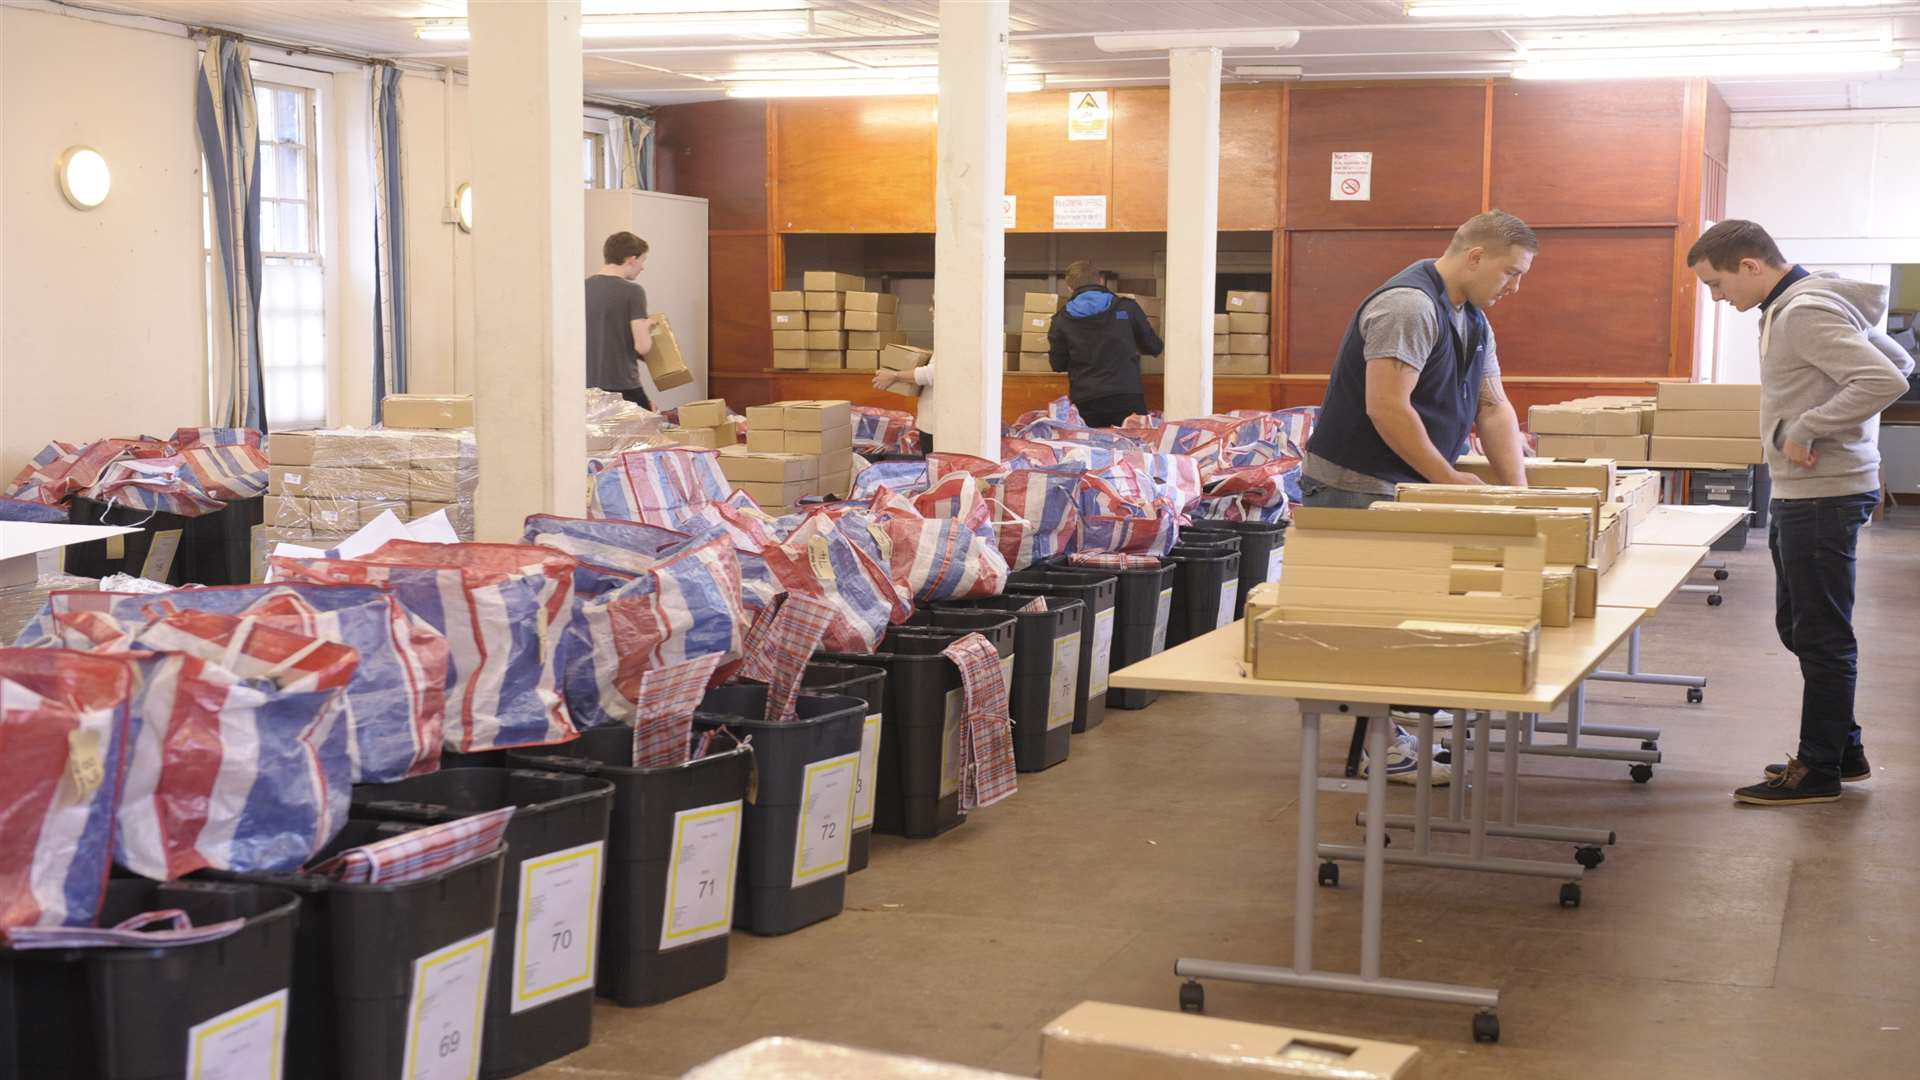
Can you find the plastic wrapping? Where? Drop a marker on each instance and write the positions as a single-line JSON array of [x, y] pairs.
[[615, 424], [782, 1058], [19, 604], [324, 484]]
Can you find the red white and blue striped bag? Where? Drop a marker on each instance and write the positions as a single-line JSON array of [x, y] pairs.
[[932, 559], [884, 431], [1044, 499], [63, 730], [640, 482], [818, 561], [986, 728]]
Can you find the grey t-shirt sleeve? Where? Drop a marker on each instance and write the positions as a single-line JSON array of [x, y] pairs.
[[637, 306], [1400, 324]]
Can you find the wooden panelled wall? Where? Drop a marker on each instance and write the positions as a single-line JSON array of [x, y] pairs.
[[1614, 177]]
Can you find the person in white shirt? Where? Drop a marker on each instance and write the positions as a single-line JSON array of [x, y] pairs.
[[922, 377]]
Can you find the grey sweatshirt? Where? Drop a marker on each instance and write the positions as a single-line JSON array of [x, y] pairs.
[[1826, 373]]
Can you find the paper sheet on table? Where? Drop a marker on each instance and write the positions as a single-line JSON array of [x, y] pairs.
[[387, 526], [435, 528]]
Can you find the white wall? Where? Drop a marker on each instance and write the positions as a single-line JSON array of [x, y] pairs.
[[101, 314], [437, 157]]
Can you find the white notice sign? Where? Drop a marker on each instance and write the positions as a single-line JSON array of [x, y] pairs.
[[706, 848], [1066, 675], [869, 772], [1162, 611], [1352, 176], [950, 745], [1009, 211], [553, 949], [1079, 211], [1275, 559], [1229, 593], [448, 1009], [1102, 652], [1087, 115], [825, 832], [243, 1043]]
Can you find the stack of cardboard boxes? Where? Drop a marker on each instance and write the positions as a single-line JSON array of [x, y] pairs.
[[1594, 427], [904, 358], [1717, 423], [1637, 491], [322, 486], [1027, 345], [1241, 341], [833, 322], [821, 431], [705, 424]]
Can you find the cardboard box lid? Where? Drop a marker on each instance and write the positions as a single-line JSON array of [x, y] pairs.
[[1131, 1043], [1435, 520]]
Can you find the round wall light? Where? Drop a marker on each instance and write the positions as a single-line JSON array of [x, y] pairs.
[[463, 206], [84, 177]]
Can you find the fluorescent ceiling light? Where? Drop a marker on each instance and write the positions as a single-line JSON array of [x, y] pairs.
[[442, 31], [1727, 65], [859, 88], [1156, 41], [685, 7], [1595, 9], [1269, 71], [853, 74], [773, 23]]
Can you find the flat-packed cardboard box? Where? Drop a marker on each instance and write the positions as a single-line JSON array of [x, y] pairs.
[[1223, 322], [1034, 343], [1707, 423], [1247, 344], [904, 357], [355, 482], [766, 440], [1246, 322], [823, 301], [1709, 451], [1037, 362], [1044, 302], [1239, 364], [791, 359], [870, 321], [767, 417], [1033, 322], [1569, 532], [1587, 500], [1222, 344], [1717, 397], [826, 320], [1639, 492], [830, 281], [1616, 532], [816, 415], [740, 465], [819, 442], [1617, 447], [788, 300], [790, 339], [1244, 302], [709, 412], [664, 361], [776, 495], [1598, 474], [875, 340], [1567, 419], [1378, 647], [825, 360], [872, 301], [790, 320], [1097, 1041], [863, 359], [427, 412], [826, 340], [1556, 589]]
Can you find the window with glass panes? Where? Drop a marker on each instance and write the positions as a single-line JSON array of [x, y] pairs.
[[293, 343], [593, 158]]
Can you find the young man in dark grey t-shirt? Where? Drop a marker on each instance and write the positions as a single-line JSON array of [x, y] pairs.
[[619, 332]]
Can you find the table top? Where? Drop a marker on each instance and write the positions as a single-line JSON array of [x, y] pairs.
[[1211, 664], [1646, 575], [1687, 526], [1702, 465]]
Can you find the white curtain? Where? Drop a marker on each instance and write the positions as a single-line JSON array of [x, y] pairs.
[[633, 151]]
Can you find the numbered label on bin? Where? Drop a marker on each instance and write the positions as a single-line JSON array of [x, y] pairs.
[[1162, 611], [554, 947], [1228, 594], [706, 849], [1065, 676], [869, 772], [244, 1043], [950, 744], [1102, 652], [825, 832], [448, 1010], [1275, 559]]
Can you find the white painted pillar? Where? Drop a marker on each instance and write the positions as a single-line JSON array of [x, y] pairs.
[[969, 267], [351, 274], [529, 300], [1193, 221]]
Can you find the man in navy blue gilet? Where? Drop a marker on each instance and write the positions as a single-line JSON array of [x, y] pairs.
[[1417, 372]]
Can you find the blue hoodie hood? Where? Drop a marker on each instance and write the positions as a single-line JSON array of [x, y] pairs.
[[1088, 303]]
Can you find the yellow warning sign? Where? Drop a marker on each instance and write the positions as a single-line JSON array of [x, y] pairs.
[[1087, 114]]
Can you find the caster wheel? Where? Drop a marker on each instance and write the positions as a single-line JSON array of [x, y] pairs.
[[1589, 857], [1650, 745], [1486, 1028], [1720, 575], [1641, 773], [1329, 874], [1570, 895], [1193, 997], [1715, 600], [1387, 840], [1695, 695]]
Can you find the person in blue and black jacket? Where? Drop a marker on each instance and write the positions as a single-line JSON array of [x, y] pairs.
[[1097, 340]]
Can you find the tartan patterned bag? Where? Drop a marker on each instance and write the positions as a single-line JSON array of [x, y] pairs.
[[669, 696], [421, 853], [986, 736], [1113, 561], [781, 654]]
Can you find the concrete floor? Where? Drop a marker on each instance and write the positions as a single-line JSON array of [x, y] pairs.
[[1714, 940]]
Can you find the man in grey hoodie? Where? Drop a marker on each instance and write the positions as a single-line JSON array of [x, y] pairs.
[[1826, 373]]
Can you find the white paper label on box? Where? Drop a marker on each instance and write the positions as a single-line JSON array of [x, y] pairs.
[[1162, 611], [825, 832], [243, 1043], [290, 478], [1102, 652], [706, 848], [160, 552], [869, 772], [1352, 176], [1275, 559], [1079, 211], [448, 1010], [1087, 115], [1229, 593], [950, 746], [1066, 675], [554, 947], [1009, 212]]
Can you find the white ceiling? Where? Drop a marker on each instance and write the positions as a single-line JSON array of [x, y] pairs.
[[1351, 39]]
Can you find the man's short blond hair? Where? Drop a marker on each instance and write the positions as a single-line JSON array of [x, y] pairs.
[[1081, 273], [1495, 231]]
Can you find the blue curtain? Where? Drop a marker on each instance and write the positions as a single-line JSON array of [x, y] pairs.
[[230, 145], [389, 242]]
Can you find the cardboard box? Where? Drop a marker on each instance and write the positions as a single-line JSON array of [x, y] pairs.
[[1377, 647], [1587, 500], [1246, 322], [791, 359], [704, 437], [858, 300], [790, 339], [904, 357], [1038, 363], [1586, 592], [874, 341], [288, 480], [1580, 420], [832, 282], [710, 412], [427, 412], [1556, 589], [1639, 492], [1248, 344], [863, 359], [1034, 343], [819, 442], [1223, 322], [664, 361], [825, 320], [766, 441], [334, 515], [354, 482], [836, 461], [823, 301], [782, 496], [290, 448], [1244, 302], [740, 464], [1709, 451], [826, 340], [1616, 532], [788, 300], [1617, 447], [442, 485], [286, 512], [789, 320], [1543, 472], [766, 417], [870, 321], [1568, 532], [1716, 397], [1043, 302], [1222, 344], [823, 415], [1238, 364], [1707, 423], [1032, 322], [825, 360], [836, 485]]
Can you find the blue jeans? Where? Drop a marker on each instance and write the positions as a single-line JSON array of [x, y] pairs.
[[1315, 493], [1813, 543]]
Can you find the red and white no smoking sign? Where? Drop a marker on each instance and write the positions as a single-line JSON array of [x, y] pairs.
[[1352, 176]]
